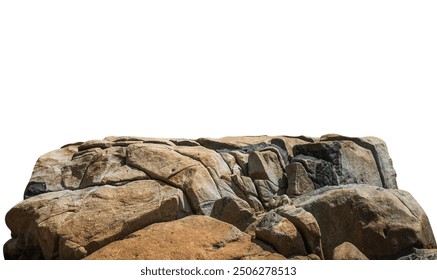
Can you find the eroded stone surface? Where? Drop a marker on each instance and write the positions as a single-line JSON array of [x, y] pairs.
[[191, 238], [297, 197], [383, 223], [71, 224], [347, 251]]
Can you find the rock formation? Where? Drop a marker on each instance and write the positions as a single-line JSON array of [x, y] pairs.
[[262, 197]]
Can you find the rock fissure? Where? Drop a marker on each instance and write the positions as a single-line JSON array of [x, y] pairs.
[[256, 197]]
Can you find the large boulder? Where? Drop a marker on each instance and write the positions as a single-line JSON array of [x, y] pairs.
[[382, 223], [192, 238], [72, 224]]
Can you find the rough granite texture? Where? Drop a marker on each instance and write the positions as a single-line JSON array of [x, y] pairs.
[[257, 197]]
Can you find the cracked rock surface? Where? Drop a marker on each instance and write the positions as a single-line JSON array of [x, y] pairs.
[[252, 197]]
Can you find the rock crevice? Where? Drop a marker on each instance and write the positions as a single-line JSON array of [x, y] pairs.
[[252, 197]]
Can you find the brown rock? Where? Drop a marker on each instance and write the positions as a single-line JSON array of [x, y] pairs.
[[232, 143], [307, 226], [109, 167], [310, 257], [383, 223], [89, 194], [214, 164], [48, 171], [347, 251], [242, 161], [191, 238], [234, 211], [72, 224], [281, 234], [163, 163]]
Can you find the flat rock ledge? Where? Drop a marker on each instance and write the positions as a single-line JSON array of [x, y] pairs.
[[251, 197]]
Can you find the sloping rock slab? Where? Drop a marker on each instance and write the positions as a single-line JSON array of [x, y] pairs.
[[72, 224], [191, 238]]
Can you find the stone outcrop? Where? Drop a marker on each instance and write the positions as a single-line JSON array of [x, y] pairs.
[[191, 238], [382, 223], [259, 197]]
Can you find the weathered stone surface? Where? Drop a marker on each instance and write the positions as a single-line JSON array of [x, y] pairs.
[[298, 180], [338, 163], [265, 165], [163, 163], [347, 251], [242, 161], [232, 143], [48, 171], [310, 257], [109, 167], [307, 226], [266, 191], [248, 190], [192, 238], [214, 164], [380, 153], [296, 196], [234, 211], [383, 223], [281, 234], [421, 254], [72, 224]]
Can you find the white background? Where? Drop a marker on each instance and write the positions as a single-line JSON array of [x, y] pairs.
[[78, 70]]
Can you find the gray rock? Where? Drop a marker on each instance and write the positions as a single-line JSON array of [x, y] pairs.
[[421, 254], [380, 154], [298, 180], [266, 190], [249, 191], [265, 165], [338, 163]]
